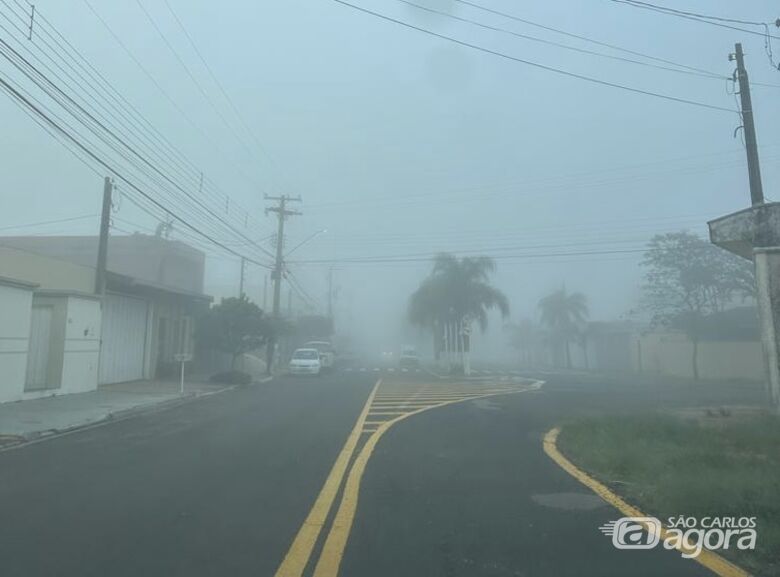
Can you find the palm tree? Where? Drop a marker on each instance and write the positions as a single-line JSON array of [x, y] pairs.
[[456, 291], [564, 314]]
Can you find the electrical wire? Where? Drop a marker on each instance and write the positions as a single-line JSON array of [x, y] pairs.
[[167, 96], [538, 65], [46, 222], [682, 70], [95, 84], [219, 85], [19, 97], [56, 93], [711, 20]]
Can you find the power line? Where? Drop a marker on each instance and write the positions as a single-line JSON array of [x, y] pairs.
[[535, 64], [219, 85], [97, 86], [711, 20], [167, 96], [430, 257], [585, 38], [677, 69], [189, 72], [45, 222], [56, 93], [15, 94]]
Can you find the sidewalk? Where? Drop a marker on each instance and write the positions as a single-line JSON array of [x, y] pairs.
[[27, 420]]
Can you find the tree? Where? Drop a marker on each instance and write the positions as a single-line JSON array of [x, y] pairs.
[[456, 291], [235, 326], [688, 279], [564, 314]]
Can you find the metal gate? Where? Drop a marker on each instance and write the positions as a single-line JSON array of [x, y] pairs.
[[123, 339], [39, 349]]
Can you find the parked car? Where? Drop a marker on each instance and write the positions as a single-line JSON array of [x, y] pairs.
[[326, 352], [409, 358], [305, 362]]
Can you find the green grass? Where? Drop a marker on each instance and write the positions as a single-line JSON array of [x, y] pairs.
[[669, 466]]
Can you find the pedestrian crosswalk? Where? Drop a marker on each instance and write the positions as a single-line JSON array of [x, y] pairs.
[[502, 375]]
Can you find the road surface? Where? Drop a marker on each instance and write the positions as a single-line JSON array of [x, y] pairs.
[[320, 476]]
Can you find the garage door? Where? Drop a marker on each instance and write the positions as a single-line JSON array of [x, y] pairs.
[[123, 339]]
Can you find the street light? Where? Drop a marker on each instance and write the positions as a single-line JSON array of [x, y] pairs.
[[304, 241]]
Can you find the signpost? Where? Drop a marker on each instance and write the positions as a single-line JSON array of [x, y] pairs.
[[182, 358]]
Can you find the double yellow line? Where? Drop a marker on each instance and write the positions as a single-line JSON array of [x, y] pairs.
[[298, 555]]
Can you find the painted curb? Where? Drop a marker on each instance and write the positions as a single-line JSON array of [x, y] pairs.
[[708, 559]]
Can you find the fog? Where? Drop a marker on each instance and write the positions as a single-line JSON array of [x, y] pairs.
[[403, 145]]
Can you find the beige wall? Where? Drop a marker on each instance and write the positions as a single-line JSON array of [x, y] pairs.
[[670, 354], [47, 272]]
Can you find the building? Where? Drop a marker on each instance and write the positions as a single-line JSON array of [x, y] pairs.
[[66, 339]]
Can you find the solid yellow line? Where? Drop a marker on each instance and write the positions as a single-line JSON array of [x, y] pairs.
[[710, 560], [298, 555], [336, 541]]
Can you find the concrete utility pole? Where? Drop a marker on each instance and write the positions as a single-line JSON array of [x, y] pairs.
[[754, 170], [282, 213], [754, 233], [265, 293], [102, 258]]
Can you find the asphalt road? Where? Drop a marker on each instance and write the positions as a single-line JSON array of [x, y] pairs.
[[223, 485]]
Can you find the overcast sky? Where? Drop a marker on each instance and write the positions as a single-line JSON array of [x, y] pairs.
[[403, 144]]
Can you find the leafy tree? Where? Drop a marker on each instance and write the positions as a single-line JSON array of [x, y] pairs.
[[456, 290], [564, 314], [688, 279], [235, 326]]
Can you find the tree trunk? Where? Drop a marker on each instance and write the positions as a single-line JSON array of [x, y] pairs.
[[567, 353], [695, 359]]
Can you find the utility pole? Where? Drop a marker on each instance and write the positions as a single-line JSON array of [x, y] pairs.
[[330, 293], [241, 282], [265, 293], [754, 171], [282, 213], [102, 257], [289, 303]]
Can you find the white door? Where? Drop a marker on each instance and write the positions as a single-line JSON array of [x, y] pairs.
[[38, 352], [123, 339]]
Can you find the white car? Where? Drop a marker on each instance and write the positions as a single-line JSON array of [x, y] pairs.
[[325, 349], [305, 362]]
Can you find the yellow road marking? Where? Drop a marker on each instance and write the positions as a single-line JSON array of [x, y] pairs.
[[332, 552], [298, 555], [710, 560]]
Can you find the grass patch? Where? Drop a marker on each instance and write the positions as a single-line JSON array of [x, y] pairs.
[[670, 466]]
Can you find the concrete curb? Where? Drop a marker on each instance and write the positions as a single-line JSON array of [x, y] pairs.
[[20, 441]]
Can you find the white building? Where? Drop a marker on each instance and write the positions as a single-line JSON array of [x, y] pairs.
[[58, 337]]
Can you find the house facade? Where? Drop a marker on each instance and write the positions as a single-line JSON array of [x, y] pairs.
[[70, 340]]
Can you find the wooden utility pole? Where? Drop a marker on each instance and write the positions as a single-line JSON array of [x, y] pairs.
[[282, 213], [102, 256], [751, 146]]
